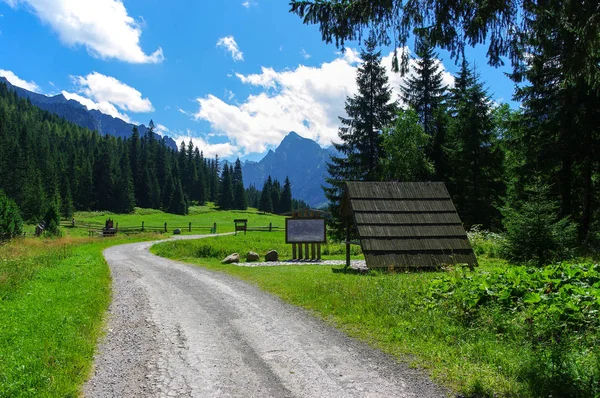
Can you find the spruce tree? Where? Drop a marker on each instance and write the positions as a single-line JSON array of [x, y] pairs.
[[66, 208], [11, 223], [124, 191], [475, 158], [265, 203], [225, 201], [178, 203], [276, 196], [425, 92], [368, 111], [285, 203], [239, 194]]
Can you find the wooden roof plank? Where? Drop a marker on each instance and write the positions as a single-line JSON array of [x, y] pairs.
[[359, 205], [407, 218], [402, 231]]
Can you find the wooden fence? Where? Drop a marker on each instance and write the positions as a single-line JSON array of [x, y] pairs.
[[97, 229]]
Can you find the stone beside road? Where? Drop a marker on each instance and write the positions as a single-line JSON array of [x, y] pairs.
[[272, 256], [232, 258], [252, 256]]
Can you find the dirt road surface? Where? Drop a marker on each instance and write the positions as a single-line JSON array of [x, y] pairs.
[[177, 330]]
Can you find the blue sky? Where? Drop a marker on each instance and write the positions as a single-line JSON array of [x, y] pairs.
[[233, 75]]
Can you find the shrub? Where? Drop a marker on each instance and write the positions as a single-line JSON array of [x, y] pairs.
[[11, 223], [552, 311], [52, 220], [486, 243], [534, 233]]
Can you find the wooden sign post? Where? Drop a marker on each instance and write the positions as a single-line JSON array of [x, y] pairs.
[[305, 232]]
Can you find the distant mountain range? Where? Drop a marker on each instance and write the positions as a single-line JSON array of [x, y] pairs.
[[78, 114], [300, 159]]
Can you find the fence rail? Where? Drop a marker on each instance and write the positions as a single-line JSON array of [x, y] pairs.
[[98, 229]]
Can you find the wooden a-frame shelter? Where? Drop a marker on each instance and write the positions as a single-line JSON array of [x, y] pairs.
[[406, 225]]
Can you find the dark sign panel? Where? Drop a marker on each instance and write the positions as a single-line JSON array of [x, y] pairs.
[[305, 230]]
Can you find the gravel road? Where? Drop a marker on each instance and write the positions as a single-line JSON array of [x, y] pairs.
[[177, 330]]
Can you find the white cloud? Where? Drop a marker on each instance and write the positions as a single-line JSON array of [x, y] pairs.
[[102, 26], [249, 3], [103, 88], [104, 107], [307, 100], [161, 129], [304, 54], [15, 80], [224, 150], [230, 45]]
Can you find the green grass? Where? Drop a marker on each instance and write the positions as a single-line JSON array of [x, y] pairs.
[[53, 296], [214, 250], [386, 310], [199, 216]]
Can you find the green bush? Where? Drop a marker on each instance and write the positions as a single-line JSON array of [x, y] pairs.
[[486, 243], [535, 234], [11, 223], [552, 310], [52, 220]]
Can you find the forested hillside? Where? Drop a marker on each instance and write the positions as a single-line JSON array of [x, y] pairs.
[[46, 161], [533, 173]]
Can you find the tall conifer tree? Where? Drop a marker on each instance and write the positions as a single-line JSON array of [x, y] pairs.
[[369, 111]]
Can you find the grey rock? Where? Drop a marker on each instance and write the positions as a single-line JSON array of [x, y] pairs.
[[272, 256], [232, 258], [177, 231], [252, 256]]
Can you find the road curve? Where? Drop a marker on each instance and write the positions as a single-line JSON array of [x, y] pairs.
[[177, 330]]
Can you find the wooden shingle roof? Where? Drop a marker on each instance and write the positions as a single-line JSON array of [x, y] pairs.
[[407, 224]]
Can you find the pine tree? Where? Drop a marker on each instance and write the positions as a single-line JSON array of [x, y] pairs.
[[239, 194], [178, 204], [124, 191], [425, 92], [11, 223], [225, 201], [285, 203], [475, 158], [369, 111], [66, 201], [200, 189], [134, 159], [265, 203], [276, 196], [560, 132]]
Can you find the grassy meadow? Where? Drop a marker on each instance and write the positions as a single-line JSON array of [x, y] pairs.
[[54, 293], [500, 331], [486, 350], [199, 216], [53, 297]]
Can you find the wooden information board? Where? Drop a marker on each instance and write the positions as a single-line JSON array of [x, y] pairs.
[[305, 230]]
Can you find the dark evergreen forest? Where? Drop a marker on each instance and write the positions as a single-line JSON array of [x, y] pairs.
[[46, 161]]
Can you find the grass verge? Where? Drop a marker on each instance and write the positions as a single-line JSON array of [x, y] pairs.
[[387, 311], [53, 295]]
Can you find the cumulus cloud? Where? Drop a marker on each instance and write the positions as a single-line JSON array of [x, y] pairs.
[[104, 107], [103, 88], [231, 46], [224, 150], [103, 27], [249, 3], [15, 80], [307, 100]]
